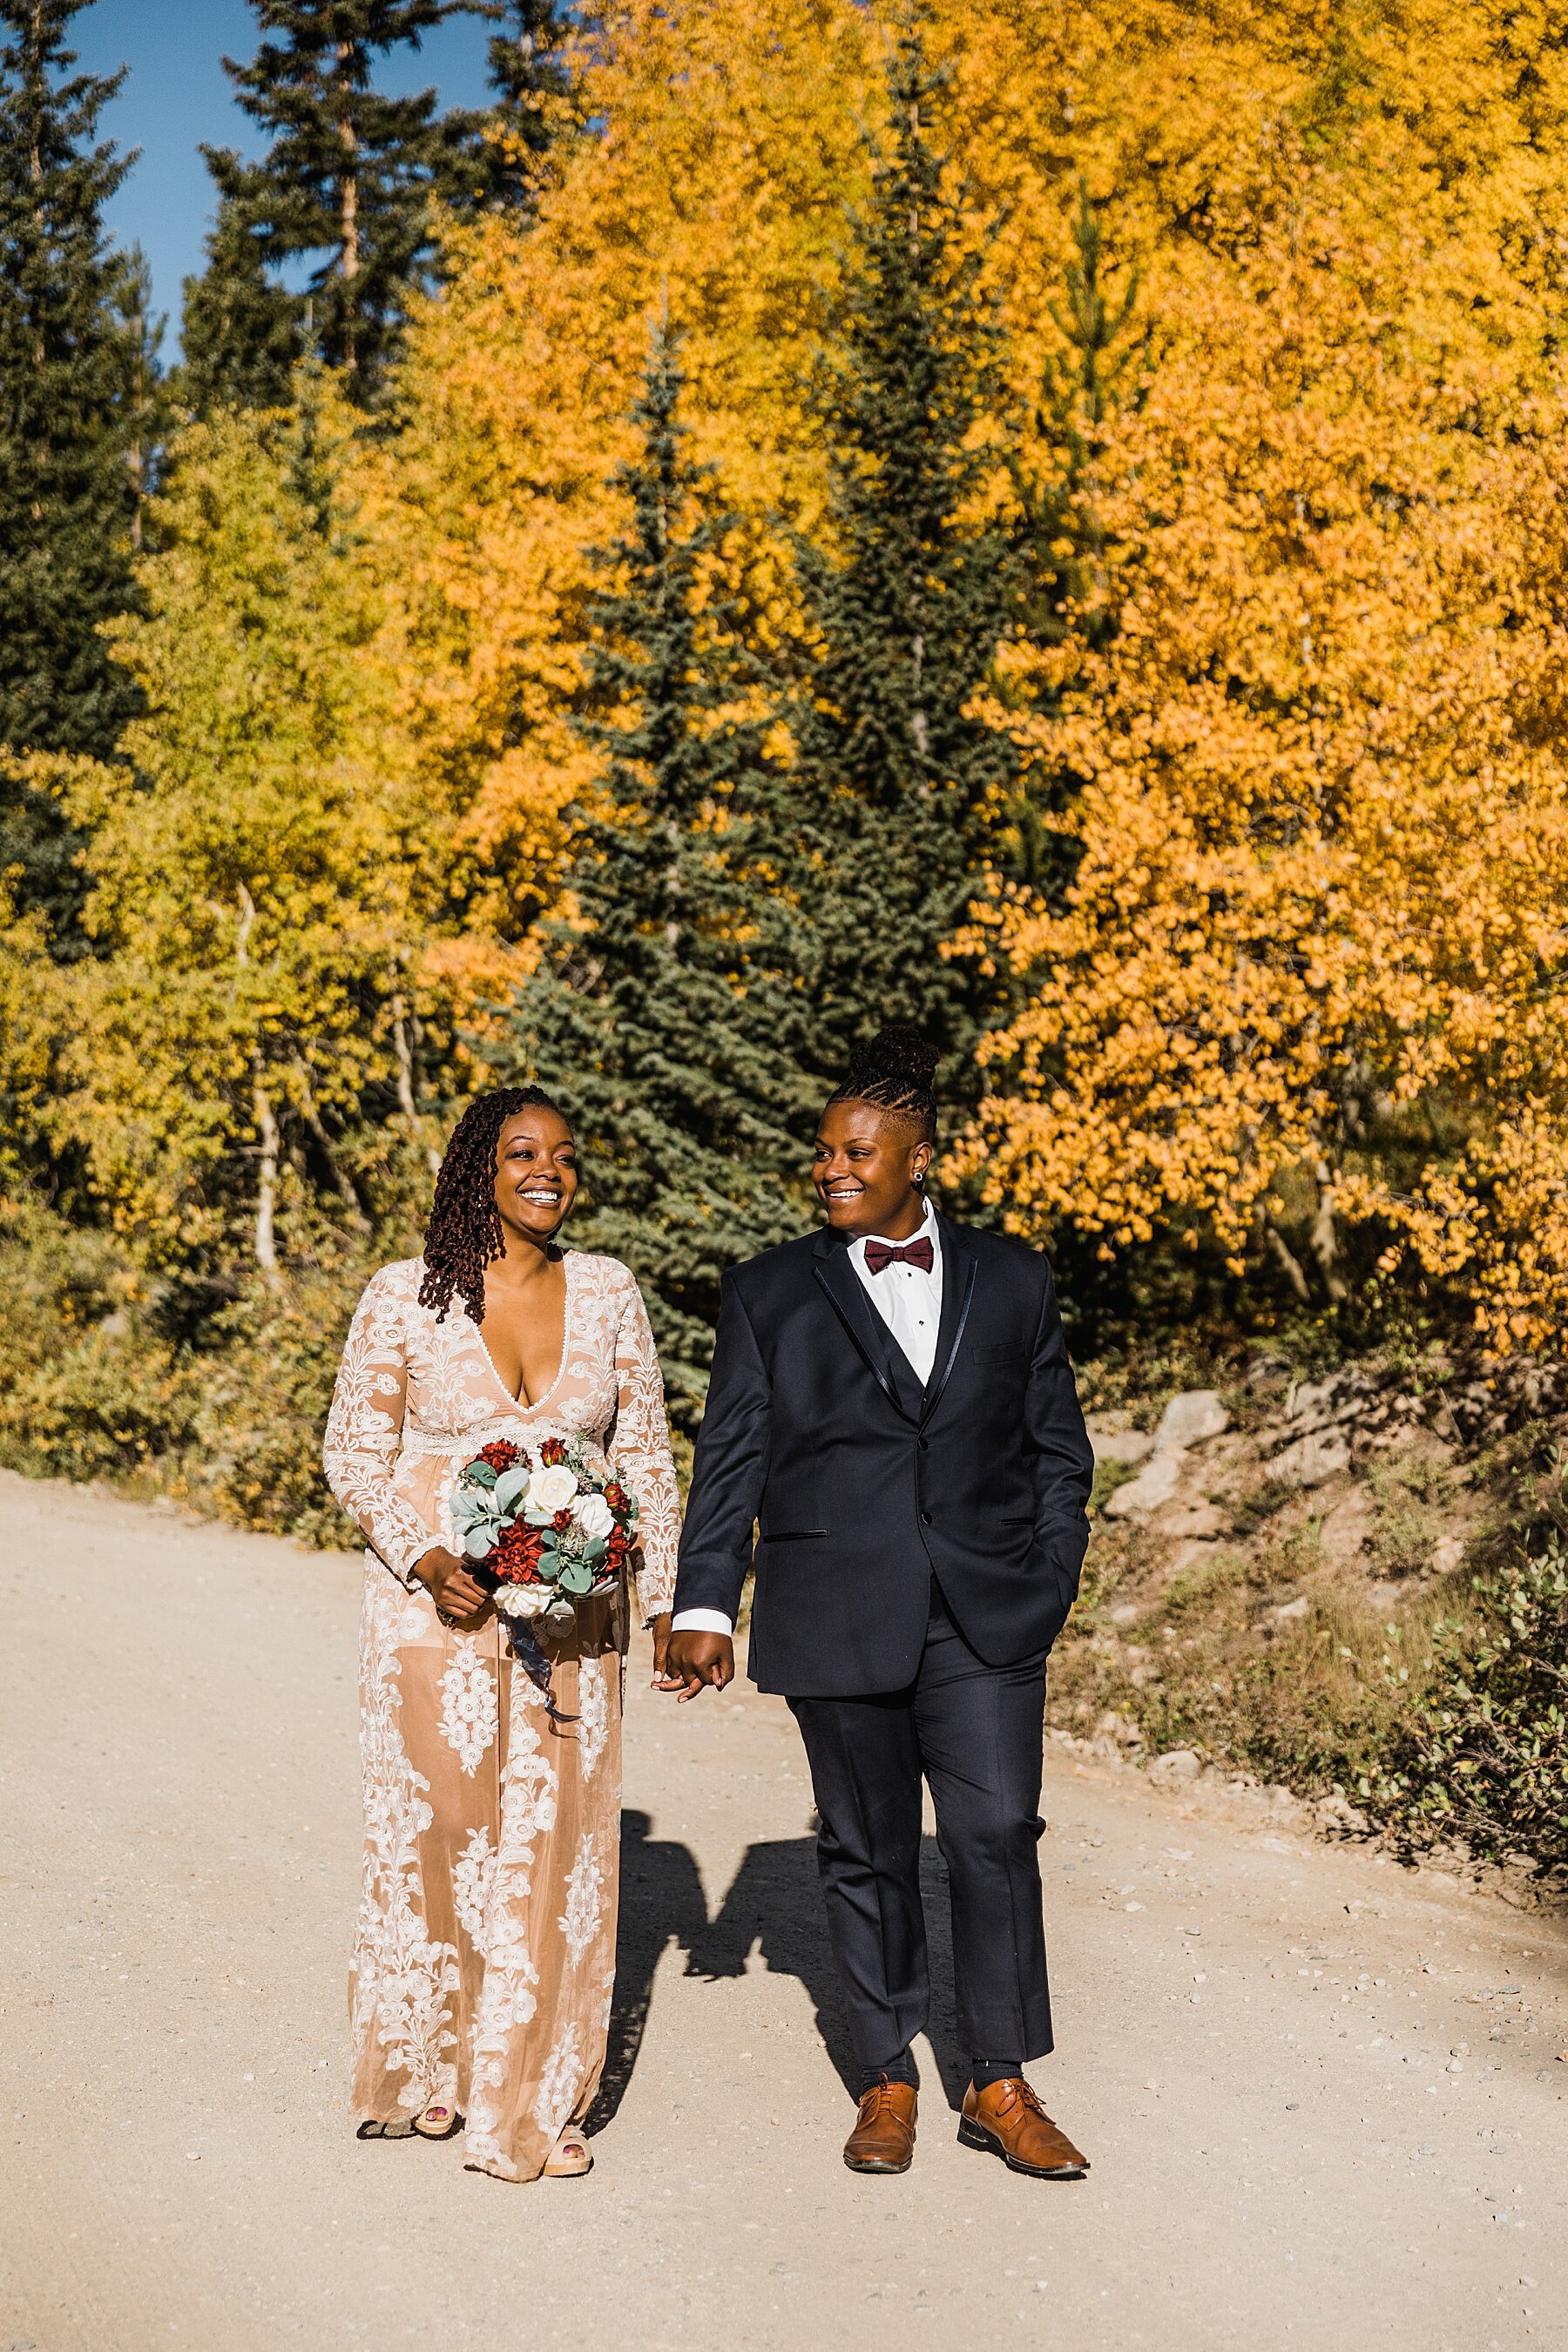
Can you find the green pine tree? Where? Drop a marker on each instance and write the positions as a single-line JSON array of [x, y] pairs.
[[909, 599], [346, 183], [669, 1019], [70, 417], [147, 409], [1059, 539], [527, 73]]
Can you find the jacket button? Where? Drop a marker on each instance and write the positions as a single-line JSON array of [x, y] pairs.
[[925, 1519]]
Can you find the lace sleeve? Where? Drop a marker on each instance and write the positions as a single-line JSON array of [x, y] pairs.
[[364, 1424], [640, 1452]]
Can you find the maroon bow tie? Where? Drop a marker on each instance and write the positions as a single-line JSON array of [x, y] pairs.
[[916, 1253]]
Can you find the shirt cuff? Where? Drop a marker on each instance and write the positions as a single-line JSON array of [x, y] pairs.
[[701, 1621]]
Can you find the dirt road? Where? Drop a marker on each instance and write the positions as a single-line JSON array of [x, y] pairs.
[[1325, 2104]]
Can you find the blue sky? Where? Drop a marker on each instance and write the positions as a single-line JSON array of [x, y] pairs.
[[176, 95]]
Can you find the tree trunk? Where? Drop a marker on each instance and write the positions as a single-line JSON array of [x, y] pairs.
[[267, 1182], [341, 1184], [405, 1102], [348, 183], [1289, 1264], [408, 1102], [1326, 1238]]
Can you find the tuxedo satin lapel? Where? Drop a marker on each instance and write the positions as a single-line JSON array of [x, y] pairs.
[[887, 1363], [958, 1272]]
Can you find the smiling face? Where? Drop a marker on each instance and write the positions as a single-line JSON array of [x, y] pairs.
[[536, 1174], [866, 1165]]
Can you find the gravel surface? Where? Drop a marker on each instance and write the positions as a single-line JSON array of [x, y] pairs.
[[1326, 2100]]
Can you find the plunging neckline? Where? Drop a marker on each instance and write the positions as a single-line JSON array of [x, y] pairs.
[[516, 1403]]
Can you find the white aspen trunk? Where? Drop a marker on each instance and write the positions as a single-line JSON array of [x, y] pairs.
[[348, 211], [405, 1102], [1325, 1238], [1289, 1265], [267, 1180]]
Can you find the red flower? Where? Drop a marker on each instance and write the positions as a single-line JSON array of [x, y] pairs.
[[618, 1498], [560, 1522], [515, 1559], [552, 1452], [500, 1454], [616, 1546]]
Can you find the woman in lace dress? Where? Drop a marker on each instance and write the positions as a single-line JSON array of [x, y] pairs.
[[485, 1950]]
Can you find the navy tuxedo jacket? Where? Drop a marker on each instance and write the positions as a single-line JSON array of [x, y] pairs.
[[859, 1485]]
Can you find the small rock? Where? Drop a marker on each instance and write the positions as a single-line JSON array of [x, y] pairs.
[[1190, 1418], [1155, 1484], [1192, 1521], [1311, 1459], [1191, 1552], [1308, 1398], [1448, 1554], [1177, 1764], [1121, 1444], [1299, 1607]]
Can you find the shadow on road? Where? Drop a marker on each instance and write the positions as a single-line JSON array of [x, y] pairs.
[[662, 1903], [773, 1905]]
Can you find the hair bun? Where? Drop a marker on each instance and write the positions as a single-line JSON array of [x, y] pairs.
[[898, 1050]]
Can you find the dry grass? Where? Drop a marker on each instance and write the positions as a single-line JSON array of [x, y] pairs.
[[1280, 1649]]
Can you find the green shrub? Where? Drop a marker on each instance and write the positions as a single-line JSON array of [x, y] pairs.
[[1486, 1757], [88, 1387], [265, 1392]]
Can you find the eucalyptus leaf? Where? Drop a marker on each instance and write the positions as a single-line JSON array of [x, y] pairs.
[[480, 1473], [576, 1577], [549, 1566], [510, 1486], [595, 1550]]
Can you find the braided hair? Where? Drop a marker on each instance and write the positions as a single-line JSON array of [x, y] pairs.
[[464, 1235], [896, 1071]]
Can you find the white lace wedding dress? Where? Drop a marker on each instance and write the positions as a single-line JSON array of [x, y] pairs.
[[484, 1956]]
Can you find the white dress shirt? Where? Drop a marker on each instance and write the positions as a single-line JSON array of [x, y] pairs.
[[910, 1303]]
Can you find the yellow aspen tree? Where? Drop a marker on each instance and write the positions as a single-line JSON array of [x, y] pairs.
[[255, 867], [1319, 814]]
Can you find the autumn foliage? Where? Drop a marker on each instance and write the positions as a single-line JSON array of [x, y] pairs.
[[1298, 1001], [1270, 886]]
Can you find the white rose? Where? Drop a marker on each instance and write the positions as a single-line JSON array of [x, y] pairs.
[[550, 1490], [523, 1599], [593, 1515]]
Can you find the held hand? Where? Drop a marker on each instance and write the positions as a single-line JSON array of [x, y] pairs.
[[659, 1629], [692, 1660], [448, 1581]]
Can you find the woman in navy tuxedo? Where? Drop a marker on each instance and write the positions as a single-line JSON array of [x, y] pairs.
[[893, 1439]]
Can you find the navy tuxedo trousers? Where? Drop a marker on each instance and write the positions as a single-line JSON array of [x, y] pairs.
[[975, 1734]]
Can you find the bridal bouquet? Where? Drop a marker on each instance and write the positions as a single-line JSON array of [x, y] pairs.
[[548, 1529]]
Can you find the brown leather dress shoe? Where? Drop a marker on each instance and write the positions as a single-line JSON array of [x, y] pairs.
[[883, 2140], [1007, 2119]]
